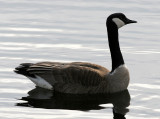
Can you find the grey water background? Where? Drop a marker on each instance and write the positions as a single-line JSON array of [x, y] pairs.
[[74, 30]]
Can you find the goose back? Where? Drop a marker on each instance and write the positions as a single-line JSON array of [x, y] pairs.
[[73, 77]]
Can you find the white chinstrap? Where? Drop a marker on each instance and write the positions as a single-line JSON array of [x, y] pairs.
[[118, 22]]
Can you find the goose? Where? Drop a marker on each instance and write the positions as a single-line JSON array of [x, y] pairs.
[[84, 77]]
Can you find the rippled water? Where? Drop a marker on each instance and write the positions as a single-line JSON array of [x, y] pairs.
[[59, 30]]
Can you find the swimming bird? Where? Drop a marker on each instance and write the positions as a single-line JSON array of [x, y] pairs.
[[84, 77]]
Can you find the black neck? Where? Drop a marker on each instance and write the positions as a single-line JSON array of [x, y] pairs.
[[116, 55]]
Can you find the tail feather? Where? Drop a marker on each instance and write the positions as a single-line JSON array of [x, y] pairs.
[[23, 69]]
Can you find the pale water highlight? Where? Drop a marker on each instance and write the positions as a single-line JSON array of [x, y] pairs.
[[65, 31]]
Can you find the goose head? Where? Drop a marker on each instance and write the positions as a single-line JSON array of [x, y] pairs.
[[118, 20]]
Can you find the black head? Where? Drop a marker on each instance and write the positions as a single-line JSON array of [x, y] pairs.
[[119, 19]]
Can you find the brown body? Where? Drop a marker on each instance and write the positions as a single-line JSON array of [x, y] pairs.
[[72, 77]]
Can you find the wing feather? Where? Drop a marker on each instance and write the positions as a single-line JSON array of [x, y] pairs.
[[81, 73]]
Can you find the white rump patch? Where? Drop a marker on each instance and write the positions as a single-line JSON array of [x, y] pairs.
[[41, 82], [118, 22]]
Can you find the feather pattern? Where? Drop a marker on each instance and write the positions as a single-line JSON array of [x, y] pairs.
[[73, 77], [85, 74], [76, 77]]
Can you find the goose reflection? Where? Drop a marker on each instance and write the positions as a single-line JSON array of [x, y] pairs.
[[42, 98]]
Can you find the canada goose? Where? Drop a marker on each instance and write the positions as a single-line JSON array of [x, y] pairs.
[[83, 77]]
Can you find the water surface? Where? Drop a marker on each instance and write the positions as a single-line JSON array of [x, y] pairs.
[[59, 30]]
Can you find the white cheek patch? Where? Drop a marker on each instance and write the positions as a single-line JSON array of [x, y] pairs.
[[118, 22]]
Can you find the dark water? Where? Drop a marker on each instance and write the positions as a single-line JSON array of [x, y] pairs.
[[59, 30]]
